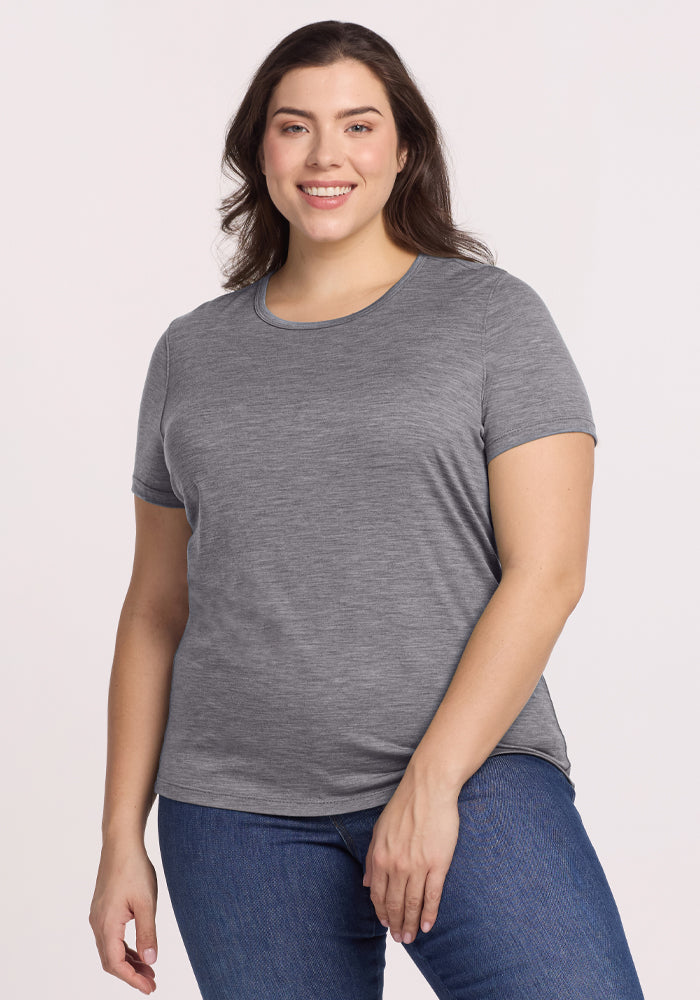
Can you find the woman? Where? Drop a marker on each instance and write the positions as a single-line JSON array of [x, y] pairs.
[[363, 479]]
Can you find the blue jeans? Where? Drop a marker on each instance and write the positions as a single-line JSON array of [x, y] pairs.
[[273, 907]]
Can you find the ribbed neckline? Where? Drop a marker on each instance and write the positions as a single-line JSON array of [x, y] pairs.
[[288, 324]]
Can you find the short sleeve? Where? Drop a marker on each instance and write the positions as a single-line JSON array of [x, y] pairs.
[[531, 385], [151, 479]]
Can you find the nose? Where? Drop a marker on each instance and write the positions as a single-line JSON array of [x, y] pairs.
[[325, 151]]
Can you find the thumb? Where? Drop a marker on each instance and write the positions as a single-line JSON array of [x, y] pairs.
[[145, 920]]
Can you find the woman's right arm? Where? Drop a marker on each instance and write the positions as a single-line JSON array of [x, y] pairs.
[[151, 624]]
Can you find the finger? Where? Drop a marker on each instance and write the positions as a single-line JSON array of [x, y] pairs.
[[367, 877], [141, 967], [145, 919], [395, 899], [432, 895], [413, 904], [377, 894], [116, 963]]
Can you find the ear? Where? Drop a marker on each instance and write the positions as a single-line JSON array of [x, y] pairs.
[[403, 156], [261, 160]]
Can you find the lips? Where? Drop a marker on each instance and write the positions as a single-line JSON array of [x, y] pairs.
[[326, 201], [326, 184]]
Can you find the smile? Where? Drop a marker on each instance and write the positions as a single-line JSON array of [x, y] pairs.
[[326, 192], [327, 198]]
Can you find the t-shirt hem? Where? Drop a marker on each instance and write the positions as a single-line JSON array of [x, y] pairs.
[[272, 806], [309, 807], [513, 748]]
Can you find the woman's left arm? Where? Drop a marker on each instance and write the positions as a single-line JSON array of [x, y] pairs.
[[540, 497]]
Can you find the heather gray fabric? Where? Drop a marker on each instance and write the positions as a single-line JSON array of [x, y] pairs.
[[334, 475]]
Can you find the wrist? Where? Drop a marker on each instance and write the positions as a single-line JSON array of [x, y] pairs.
[[125, 822], [439, 776], [117, 844], [123, 832]]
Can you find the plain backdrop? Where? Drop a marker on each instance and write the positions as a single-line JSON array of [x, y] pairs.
[[572, 136]]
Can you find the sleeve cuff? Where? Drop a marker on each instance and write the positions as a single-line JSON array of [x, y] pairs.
[[521, 435], [165, 498]]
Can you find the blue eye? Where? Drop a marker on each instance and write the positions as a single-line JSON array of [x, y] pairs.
[[355, 126]]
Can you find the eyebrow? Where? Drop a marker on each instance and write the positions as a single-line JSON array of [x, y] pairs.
[[349, 113]]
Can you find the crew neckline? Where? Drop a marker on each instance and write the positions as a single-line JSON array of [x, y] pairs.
[[289, 324]]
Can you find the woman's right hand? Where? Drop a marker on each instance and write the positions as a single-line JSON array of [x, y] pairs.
[[126, 889]]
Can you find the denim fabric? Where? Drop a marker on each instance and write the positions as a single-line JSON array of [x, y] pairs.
[[272, 907]]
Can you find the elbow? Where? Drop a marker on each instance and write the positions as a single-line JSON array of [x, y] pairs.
[[560, 589], [571, 588]]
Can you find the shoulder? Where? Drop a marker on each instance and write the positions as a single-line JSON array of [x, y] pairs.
[[476, 282], [209, 316]]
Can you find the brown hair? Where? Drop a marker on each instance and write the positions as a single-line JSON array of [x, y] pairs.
[[418, 214]]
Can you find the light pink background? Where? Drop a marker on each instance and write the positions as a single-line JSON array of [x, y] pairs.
[[573, 143]]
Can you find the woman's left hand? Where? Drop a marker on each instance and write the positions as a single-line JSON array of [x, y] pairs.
[[410, 853]]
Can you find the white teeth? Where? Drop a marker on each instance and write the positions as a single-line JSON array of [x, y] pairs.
[[326, 192]]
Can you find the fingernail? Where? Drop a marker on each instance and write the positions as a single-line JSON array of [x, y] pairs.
[[425, 926], [407, 938], [396, 936], [384, 923], [149, 955]]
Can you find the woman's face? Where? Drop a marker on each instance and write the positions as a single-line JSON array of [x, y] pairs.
[[306, 143]]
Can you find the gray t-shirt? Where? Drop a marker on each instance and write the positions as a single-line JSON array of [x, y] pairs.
[[334, 475]]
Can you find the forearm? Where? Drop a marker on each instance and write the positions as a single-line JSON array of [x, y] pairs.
[[498, 671], [139, 693]]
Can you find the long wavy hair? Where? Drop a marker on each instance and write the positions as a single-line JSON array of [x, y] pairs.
[[418, 212]]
